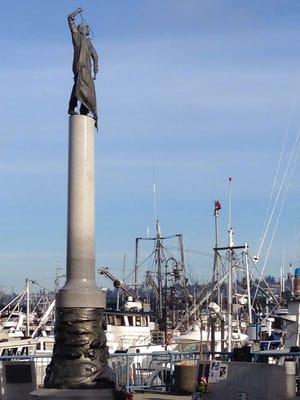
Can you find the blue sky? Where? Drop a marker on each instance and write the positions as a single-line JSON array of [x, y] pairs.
[[190, 92]]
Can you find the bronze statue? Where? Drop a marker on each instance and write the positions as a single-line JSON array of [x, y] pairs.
[[84, 51]]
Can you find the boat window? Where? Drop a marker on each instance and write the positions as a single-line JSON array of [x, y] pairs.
[[138, 321], [48, 346], [130, 320], [24, 351], [119, 320], [111, 320]]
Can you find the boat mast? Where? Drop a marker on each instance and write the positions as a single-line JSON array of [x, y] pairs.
[[136, 267], [216, 270], [181, 249], [183, 282], [158, 249], [159, 272], [27, 307], [248, 283], [230, 259]]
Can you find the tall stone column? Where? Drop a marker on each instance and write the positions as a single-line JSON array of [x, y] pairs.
[[80, 353], [80, 289]]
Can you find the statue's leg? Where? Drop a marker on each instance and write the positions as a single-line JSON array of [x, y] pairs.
[[72, 102], [83, 109]]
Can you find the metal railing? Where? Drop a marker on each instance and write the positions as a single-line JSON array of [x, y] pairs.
[[150, 371], [132, 370], [41, 362]]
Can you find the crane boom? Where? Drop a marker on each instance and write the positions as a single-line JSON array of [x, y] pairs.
[[118, 284]]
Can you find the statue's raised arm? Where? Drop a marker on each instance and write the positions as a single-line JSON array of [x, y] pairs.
[[71, 20], [84, 53]]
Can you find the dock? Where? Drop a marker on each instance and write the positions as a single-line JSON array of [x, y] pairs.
[[160, 395]]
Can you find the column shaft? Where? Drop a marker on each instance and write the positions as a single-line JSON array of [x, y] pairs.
[[80, 289]]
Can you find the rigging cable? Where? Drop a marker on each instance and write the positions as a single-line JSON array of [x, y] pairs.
[[290, 171], [264, 281], [278, 194], [276, 178], [196, 252]]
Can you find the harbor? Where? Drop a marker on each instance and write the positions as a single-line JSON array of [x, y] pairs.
[[203, 302]]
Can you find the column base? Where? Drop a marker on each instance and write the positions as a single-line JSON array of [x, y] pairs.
[[80, 353], [72, 394]]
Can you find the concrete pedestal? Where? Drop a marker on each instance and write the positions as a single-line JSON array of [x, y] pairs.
[[72, 394]]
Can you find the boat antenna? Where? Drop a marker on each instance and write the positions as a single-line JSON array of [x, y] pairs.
[[154, 180], [230, 230], [230, 202], [155, 202], [123, 266]]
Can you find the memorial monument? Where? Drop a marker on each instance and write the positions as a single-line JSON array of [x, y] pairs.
[[84, 52], [79, 361]]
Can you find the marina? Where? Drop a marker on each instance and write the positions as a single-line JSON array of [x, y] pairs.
[[156, 349], [191, 311]]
